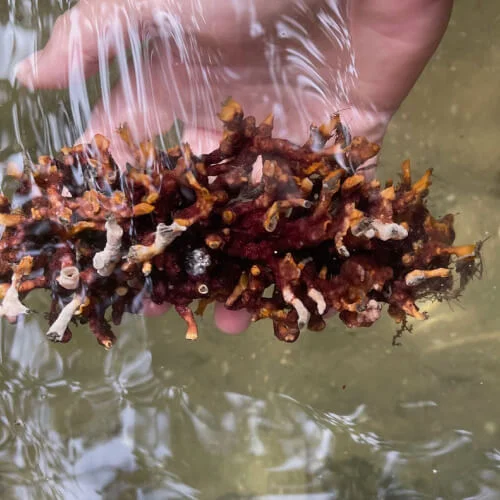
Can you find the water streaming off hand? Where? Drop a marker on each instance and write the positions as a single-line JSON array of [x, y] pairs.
[[337, 415]]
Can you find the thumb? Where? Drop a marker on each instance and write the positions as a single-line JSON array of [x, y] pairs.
[[83, 38]]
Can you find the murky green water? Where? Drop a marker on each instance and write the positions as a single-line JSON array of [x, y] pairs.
[[339, 414]]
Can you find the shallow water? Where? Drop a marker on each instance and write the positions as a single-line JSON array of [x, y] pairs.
[[339, 414]]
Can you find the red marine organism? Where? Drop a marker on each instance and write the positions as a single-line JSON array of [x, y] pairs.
[[312, 236]]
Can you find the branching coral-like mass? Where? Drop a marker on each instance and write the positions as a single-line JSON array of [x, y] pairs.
[[311, 236]]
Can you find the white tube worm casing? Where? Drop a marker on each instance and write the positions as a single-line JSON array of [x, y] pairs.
[[298, 305], [106, 260], [69, 278], [57, 329]]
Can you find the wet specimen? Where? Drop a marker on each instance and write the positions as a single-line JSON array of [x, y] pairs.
[[314, 235]]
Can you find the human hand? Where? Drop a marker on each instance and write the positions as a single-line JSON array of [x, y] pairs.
[[302, 62]]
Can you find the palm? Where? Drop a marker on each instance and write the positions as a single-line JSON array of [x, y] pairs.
[[295, 59], [301, 80]]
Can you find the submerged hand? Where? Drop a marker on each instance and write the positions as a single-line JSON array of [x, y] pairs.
[[301, 63]]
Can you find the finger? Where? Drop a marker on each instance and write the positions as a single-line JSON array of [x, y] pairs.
[[151, 93], [153, 310], [231, 322], [83, 39], [399, 37]]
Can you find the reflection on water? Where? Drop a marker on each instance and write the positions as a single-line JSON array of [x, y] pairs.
[[131, 426], [337, 415]]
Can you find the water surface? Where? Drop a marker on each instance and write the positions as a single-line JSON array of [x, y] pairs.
[[339, 414]]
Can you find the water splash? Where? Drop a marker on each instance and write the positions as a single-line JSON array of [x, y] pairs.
[[298, 63], [154, 418]]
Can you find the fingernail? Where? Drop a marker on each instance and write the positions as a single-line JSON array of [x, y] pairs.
[[24, 72]]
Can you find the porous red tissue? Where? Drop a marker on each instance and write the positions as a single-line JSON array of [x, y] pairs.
[[310, 237]]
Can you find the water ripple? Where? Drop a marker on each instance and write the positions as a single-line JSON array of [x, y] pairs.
[[156, 418]]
